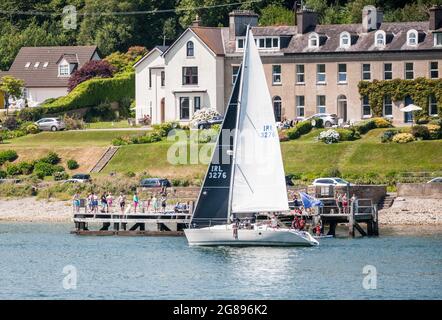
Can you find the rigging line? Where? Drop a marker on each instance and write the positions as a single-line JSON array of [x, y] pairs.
[[120, 13], [244, 176]]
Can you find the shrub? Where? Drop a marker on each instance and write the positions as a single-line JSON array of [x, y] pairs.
[[163, 129], [12, 170], [332, 172], [43, 169], [319, 123], [51, 158], [293, 133], [60, 176], [348, 134], [7, 155], [91, 69], [403, 138], [329, 136], [382, 123], [25, 167], [130, 174], [73, 123], [388, 135], [10, 123], [304, 127], [423, 120], [32, 129], [283, 135], [365, 126], [119, 141], [421, 132], [203, 114], [72, 164], [435, 131], [3, 174]]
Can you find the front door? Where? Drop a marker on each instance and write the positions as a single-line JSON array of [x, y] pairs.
[[342, 108]]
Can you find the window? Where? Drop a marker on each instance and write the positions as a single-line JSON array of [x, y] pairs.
[[36, 64], [45, 65], [276, 74], [163, 78], [190, 75], [345, 40], [300, 77], [267, 43], [434, 70], [388, 107], [366, 71], [240, 43], [438, 39], [190, 51], [184, 108], [412, 38], [320, 104], [366, 110], [196, 103], [380, 38], [300, 103], [342, 73], [313, 40], [63, 70], [277, 108], [320, 73], [235, 70], [432, 108], [409, 72], [150, 78], [388, 71]]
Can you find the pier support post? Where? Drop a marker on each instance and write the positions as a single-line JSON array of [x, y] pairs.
[[351, 223]]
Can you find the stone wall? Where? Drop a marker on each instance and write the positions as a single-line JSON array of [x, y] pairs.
[[426, 190], [373, 192]]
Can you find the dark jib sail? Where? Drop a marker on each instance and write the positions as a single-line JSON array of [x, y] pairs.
[[213, 202]]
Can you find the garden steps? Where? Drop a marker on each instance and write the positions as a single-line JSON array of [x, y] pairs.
[[387, 201], [104, 160]]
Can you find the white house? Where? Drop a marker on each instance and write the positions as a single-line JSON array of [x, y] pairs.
[[46, 70], [173, 82]]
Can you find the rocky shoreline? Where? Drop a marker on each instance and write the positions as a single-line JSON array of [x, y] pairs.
[[412, 211]]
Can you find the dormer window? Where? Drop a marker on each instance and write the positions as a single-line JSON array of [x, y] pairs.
[[438, 39], [313, 40], [240, 43], [190, 49], [27, 65], [345, 40], [412, 38], [63, 70], [45, 65], [36, 64], [267, 43], [380, 38]]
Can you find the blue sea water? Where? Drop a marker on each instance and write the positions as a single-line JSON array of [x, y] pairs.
[[32, 258]]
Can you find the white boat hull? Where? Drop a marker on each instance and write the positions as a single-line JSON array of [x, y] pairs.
[[258, 236]]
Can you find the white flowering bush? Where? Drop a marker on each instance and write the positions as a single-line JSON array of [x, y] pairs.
[[329, 136], [203, 114]]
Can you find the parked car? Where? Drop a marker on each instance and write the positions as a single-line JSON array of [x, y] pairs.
[[155, 183], [326, 182], [51, 124], [79, 178], [436, 180], [327, 118], [206, 124]]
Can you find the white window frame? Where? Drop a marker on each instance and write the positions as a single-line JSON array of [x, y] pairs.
[[432, 103], [321, 108], [366, 72], [235, 75], [380, 35], [318, 74], [261, 43], [300, 106], [195, 99], [345, 35], [276, 76], [342, 73], [238, 40], [300, 74], [64, 70], [190, 42], [364, 116], [437, 36], [385, 104], [434, 70], [415, 35], [180, 99], [391, 71], [407, 71], [313, 40]]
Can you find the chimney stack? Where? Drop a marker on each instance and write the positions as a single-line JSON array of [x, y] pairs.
[[197, 21], [371, 18], [238, 21], [306, 20], [435, 17]]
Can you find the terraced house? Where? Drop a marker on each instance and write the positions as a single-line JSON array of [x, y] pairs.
[[310, 68]]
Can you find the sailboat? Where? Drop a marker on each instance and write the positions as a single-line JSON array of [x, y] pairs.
[[245, 178]]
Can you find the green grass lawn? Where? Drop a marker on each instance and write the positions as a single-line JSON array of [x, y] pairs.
[[110, 125]]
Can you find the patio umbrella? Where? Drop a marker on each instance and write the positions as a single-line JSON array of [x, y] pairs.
[[411, 108]]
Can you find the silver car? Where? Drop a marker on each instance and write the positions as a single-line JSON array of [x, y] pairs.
[[51, 124], [327, 118]]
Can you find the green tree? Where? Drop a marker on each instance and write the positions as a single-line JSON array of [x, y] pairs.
[[12, 87], [273, 15]]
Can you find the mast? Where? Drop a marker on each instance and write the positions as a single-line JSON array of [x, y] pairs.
[[238, 109]]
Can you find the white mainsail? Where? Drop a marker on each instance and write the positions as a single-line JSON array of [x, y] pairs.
[[259, 181]]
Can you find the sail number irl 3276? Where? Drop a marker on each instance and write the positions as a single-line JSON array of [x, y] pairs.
[[267, 131], [217, 173]]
